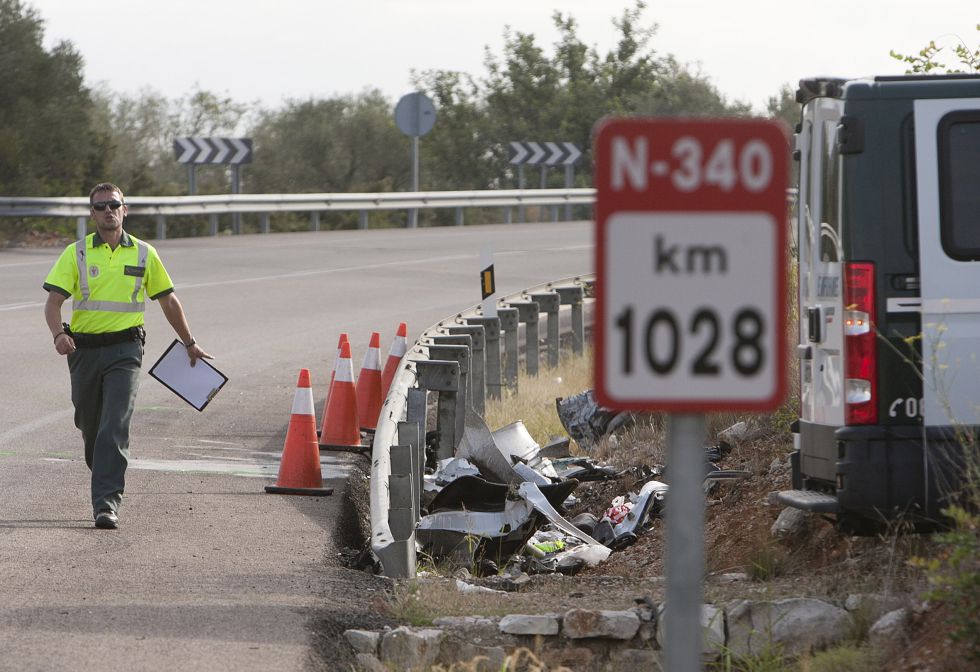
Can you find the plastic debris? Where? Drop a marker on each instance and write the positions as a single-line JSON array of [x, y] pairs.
[[585, 421]]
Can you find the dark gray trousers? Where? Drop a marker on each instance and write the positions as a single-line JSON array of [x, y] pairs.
[[104, 381]]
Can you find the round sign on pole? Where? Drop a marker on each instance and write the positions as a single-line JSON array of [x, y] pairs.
[[415, 115]]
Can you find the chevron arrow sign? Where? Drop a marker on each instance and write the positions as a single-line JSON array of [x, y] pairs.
[[547, 153], [519, 152], [213, 150]]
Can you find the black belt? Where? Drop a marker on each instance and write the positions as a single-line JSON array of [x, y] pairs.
[[108, 338]]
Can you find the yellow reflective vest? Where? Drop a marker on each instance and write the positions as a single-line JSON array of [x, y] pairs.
[[108, 287]]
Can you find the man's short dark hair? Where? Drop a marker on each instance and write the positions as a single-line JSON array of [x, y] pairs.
[[105, 186]]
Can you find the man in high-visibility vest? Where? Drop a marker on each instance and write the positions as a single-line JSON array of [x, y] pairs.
[[108, 275]]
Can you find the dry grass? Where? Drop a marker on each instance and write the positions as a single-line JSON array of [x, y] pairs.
[[534, 403]]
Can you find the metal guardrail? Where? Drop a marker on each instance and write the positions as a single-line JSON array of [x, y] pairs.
[[460, 360], [264, 205]]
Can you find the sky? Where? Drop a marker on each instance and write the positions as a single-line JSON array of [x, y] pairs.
[[270, 52]]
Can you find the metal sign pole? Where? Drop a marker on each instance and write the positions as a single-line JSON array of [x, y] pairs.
[[520, 185], [236, 218], [686, 434], [191, 179], [413, 214], [569, 181]]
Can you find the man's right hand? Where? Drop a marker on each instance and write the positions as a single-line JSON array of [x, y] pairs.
[[64, 344]]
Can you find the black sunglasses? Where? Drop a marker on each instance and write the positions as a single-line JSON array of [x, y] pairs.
[[100, 205]]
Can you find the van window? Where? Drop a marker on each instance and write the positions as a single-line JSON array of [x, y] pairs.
[[959, 184], [830, 240]]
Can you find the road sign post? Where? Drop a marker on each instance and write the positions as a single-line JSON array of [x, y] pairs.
[[415, 115], [690, 304], [200, 151], [545, 155]]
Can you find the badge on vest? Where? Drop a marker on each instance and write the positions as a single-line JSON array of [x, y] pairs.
[[138, 271], [93, 271]]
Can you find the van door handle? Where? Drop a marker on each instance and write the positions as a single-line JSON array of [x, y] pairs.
[[815, 324], [804, 352]]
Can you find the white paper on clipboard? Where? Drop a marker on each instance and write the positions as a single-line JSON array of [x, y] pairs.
[[196, 384]]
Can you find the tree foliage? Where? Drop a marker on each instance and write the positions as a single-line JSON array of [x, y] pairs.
[[927, 60], [47, 144], [57, 137]]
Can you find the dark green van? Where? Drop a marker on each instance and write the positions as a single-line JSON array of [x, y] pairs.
[[888, 238]]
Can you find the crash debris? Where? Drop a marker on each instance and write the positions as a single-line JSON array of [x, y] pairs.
[[499, 506]]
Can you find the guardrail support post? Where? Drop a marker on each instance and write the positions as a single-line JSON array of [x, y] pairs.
[[527, 312], [314, 221], [213, 225], [264, 222], [574, 297], [416, 408], [401, 498], [478, 364], [491, 351], [408, 435], [362, 219], [442, 376], [549, 303], [461, 354], [459, 216], [161, 227], [509, 323]]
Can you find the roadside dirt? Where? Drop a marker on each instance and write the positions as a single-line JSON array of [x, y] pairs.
[[743, 559]]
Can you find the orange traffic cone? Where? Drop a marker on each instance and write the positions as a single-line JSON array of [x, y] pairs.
[[299, 469], [333, 372], [399, 347], [369, 397], [340, 419]]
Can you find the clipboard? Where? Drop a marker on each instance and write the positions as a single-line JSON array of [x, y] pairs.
[[197, 385]]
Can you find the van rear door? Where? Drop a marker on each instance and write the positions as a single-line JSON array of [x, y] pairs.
[[947, 153], [820, 346]]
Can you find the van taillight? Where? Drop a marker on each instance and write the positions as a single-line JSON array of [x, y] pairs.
[[861, 359]]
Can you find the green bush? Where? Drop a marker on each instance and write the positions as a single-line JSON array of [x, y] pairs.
[[954, 578]]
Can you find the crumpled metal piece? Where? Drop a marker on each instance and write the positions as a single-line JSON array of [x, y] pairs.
[[587, 422]]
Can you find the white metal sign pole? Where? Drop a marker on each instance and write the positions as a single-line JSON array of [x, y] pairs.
[[686, 434]]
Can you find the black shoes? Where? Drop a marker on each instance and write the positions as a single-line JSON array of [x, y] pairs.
[[106, 520]]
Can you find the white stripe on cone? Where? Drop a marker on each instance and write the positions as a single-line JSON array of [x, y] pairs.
[[303, 401]]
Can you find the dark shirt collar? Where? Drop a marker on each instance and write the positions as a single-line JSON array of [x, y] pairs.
[[124, 240]]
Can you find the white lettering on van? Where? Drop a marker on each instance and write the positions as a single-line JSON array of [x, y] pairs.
[[910, 408], [828, 286]]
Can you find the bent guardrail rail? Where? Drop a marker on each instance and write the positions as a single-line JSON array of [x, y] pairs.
[[460, 360]]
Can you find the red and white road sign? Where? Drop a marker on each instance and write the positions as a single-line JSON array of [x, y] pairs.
[[691, 298]]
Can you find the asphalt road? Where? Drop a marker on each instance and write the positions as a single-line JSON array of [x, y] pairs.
[[207, 572]]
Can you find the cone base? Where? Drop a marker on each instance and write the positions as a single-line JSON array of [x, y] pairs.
[[314, 492], [343, 448]]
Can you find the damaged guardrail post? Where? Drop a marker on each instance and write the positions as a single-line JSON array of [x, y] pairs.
[[491, 351], [509, 323], [478, 364], [415, 411], [528, 313], [465, 363], [574, 297], [409, 434], [442, 376], [549, 303], [401, 493]]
